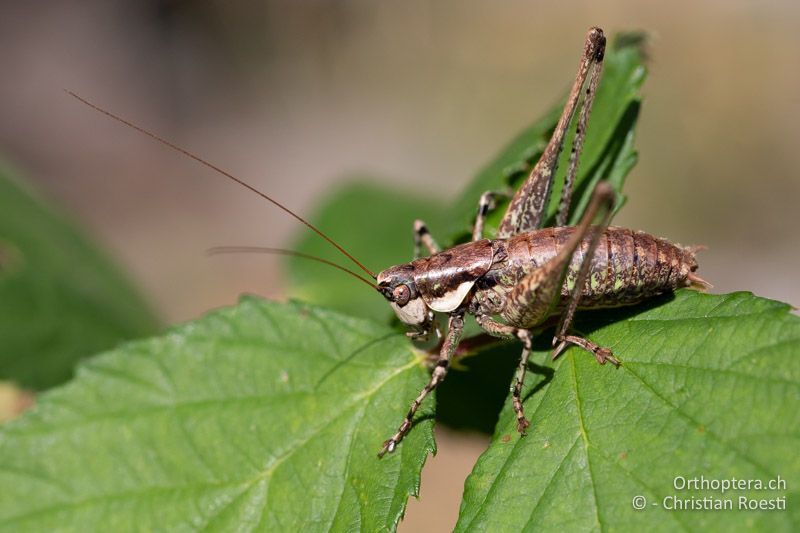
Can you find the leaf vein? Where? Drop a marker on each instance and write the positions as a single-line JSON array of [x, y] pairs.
[[585, 436], [696, 423], [514, 451], [269, 469]]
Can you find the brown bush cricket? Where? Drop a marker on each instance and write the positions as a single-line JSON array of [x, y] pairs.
[[527, 274]]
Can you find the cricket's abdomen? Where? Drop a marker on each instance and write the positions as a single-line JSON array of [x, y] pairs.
[[630, 266], [627, 266]]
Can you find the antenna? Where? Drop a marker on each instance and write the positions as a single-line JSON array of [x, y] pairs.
[[220, 171], [216, 250]]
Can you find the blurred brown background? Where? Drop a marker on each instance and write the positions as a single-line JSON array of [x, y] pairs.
[[294, 96]]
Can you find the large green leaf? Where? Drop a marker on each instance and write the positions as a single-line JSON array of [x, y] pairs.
[[60, 299], [608, 151], [262, 416], [709, 386]]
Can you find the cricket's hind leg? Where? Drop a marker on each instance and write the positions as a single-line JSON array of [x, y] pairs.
[[530, 302], [600, 353], [561, 341], [535, 296], [527, 209], [497, 329]]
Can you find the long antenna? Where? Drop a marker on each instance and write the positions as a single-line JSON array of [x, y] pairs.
[[280, 251], [219, 170]]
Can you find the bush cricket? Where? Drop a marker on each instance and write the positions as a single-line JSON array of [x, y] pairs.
[[526, 274]]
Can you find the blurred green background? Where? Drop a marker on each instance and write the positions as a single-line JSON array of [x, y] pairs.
[[297, 96]]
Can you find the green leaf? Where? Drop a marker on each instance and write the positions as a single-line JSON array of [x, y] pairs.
[[708, 386], [608, 151], [60, 299], [375, 225], [262, 416]]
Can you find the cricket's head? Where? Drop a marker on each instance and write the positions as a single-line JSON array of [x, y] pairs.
[[398, 286]]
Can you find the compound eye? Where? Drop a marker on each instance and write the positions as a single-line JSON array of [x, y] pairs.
[[401, 295]]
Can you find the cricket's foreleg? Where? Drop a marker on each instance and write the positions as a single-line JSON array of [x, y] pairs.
[[422, 237], [497, 329], [454, 330]]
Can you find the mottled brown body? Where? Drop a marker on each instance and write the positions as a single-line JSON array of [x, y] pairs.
[[626, 268]]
